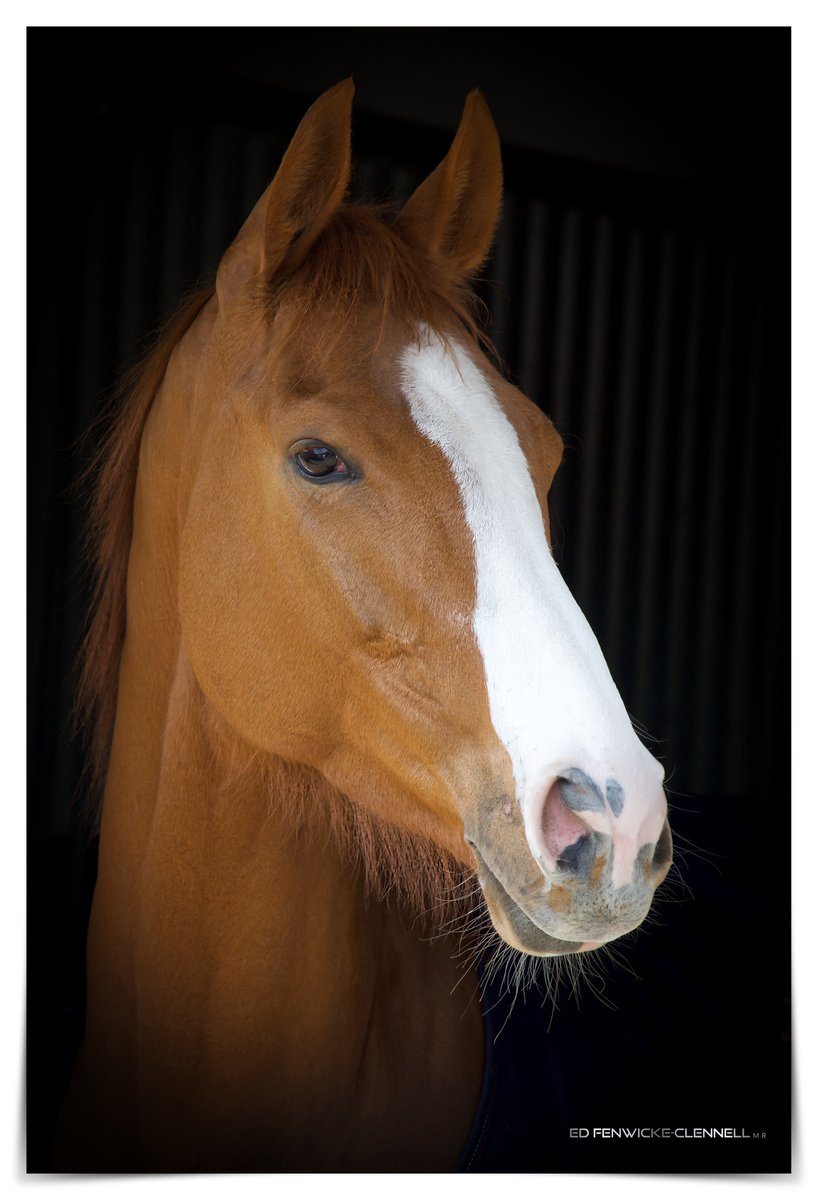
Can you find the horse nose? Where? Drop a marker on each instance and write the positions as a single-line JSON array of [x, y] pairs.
[[581, 830], [564, 831], [662, 855]]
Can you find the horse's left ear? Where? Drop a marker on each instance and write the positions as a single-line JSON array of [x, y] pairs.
[[454, 212], [307, 190]]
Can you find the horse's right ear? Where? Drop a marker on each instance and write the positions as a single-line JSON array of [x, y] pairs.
[[453, 214], [307, 190]]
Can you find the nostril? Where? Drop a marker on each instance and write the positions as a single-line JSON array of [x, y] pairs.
[[663, 853], [561, 827], [578, 858]]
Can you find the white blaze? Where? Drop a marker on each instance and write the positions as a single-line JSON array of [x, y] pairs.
[[552, 700]]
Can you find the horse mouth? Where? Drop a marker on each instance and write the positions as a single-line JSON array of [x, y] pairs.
[[513, 923]]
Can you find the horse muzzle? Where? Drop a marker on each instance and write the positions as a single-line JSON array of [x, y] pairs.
[[583, 882]]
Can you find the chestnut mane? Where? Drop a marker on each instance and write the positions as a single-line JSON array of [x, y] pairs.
[[359, 258], [111, 482]]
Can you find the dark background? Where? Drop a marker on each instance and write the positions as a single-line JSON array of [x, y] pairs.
[[639, 292]]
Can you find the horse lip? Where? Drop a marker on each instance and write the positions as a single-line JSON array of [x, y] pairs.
[[532, 938], [515, 911]]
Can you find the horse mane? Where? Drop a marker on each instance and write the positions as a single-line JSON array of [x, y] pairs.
[[360, 258], [110, 482]]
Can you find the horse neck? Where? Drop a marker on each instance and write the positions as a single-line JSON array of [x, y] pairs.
[[196, 866], [223, 934], [226, 901]]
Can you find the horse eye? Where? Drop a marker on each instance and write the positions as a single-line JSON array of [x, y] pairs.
[[319, 462]]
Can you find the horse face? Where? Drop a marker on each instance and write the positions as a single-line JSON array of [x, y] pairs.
[[328, 580], [366, 582], [368, 589]]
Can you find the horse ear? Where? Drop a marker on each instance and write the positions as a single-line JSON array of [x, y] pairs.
[[453, 214], [307, 190]]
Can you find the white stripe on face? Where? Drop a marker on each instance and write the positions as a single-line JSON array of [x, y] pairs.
[[552, 700]]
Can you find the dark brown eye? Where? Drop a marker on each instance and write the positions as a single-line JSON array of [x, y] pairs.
[[319, 462]]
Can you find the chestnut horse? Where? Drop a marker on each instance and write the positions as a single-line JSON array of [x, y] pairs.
[[336, 676]]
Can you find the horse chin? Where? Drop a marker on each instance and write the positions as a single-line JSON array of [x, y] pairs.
[[517, 928], [513, 925]]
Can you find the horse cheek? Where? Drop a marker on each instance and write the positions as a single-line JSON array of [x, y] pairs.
[[250, 632]]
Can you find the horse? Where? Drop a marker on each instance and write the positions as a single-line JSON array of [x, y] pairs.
[[339, 692]]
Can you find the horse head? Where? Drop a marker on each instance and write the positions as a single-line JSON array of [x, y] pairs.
[[367, 586]]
